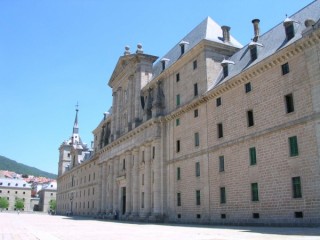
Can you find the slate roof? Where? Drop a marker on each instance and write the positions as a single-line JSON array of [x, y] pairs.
[[14, 183], [207, 29], [273, 41], [50, 186]]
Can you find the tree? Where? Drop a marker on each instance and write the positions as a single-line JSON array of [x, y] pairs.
[[19, 204], [4, 203], [53, 205]]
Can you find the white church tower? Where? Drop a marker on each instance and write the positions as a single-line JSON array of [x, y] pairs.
[[72, 151]]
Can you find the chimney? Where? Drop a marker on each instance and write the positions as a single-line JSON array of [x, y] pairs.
[[256, 29], [226, 33], [309, 23]]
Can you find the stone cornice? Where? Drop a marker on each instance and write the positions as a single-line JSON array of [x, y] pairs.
[[131, 134]]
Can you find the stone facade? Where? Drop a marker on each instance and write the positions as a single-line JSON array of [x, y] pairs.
[[46, 194], [213, 132], [13, 189]]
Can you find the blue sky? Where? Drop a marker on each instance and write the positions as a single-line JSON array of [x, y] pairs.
[[54, 54]]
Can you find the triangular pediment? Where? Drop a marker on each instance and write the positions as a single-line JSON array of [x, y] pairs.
[[123, 61]]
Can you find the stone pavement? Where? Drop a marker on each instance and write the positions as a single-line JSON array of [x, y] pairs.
[[32, 226]]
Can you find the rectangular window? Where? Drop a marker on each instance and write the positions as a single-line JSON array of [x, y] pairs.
[[289, 31], [195, 64], [253, 157], [198, 198], [163, 63], [255, 215], [289, 103], [142, 200], [285, 68], [221, 163], [296, 187], [220, 130], [197, 169], [178, 199], [153, 152], [250, 118], [293, 146], [195, 89], [196, 113], [124, 164], [298, 214], [177, 121], [178, 146], [225, 70], [178, 100], [223, 195], [196, 140], [218, 101], [142, 179], [253, 53], [182, 48], [247, 87], [223, 216], [178, 173], [177, 77], [254, 192]]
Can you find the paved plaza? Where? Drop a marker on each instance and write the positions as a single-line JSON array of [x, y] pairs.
[[31, 226]]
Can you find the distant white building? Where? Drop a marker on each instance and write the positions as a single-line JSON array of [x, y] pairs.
[[13, 189], [46, 194]]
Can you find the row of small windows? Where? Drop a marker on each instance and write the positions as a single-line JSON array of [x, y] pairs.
[[296, 192], [16, 185], [16, 192], [254, 215], [250, 119], [293, 143], [84, 205], [293, 152], [75, 183]]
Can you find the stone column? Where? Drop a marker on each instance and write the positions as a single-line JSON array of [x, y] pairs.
[[129, 183], [130, 102], [147, 180], [118, 120], [114, 113], [135, 182], [157, 178], [110, 185], [115, 184], [103, 188], [137, 100]]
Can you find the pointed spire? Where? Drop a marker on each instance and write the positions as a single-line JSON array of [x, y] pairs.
[[75, 126]]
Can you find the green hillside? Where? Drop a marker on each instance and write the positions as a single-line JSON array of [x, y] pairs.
[[11, 165]]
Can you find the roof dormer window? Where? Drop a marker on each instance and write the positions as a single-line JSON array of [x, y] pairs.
[[183, 47], [225, 67], [253, 53], [288, 24], [253, 46], [225, 71], [164, 63]]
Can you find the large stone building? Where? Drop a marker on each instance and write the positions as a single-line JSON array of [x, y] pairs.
[[213, 132]]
